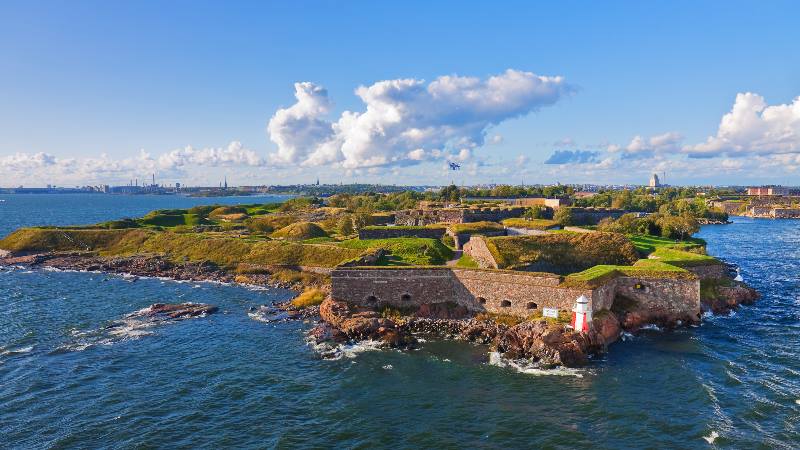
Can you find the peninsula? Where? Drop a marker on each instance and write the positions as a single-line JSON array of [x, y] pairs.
[[551, 277]]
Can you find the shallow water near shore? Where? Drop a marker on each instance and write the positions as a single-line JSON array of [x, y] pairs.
[[227, 380]]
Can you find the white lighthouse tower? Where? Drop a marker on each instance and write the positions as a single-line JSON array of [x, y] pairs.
[[581, 315]]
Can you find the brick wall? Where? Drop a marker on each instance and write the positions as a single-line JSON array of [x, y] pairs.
[[476, 248]]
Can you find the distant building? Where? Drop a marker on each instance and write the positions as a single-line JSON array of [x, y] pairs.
[[767, 191], [654, 181]]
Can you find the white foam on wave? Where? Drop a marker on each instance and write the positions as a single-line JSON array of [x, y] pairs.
[[711, 437], [626, 336], [388, 367], [529, 368], [797, 401], [652, 327], [15, 351], [348, 350]]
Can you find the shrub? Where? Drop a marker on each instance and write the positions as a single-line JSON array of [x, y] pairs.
[[300, 231], [538, 212], [226, 210], [309, 297], [270, 223], [300, 204], [564, 217]]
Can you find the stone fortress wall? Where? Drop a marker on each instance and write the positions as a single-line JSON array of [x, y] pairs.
[[400, 232], [503, 292], [421, 217]]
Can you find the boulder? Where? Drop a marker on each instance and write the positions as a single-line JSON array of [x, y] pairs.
[[546, 344]]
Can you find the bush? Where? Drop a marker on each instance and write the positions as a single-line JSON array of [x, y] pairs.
[[268, 224], [300, 231], [564, 217], [226, 211], [300, 204], [538, 212], [309, 297]]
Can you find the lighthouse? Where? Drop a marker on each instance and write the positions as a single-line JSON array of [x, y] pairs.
[[581, 314]]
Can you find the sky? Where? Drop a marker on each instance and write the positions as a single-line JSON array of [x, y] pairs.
[[97, 92]]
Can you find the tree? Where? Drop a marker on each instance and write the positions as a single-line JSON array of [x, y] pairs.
[[345, 227], [564, 216], [537, 212]]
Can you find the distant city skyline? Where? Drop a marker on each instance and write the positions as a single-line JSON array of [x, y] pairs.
[[272, 93]]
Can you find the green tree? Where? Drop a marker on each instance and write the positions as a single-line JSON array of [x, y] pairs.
[[564, 217]]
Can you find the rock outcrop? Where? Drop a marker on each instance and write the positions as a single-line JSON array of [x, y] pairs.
[[723, 298], [342, 323], [176, 311]]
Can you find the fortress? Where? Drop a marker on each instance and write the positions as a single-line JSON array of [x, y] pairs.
[[510, 292]]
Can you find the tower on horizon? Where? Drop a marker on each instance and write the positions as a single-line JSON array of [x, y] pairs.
[[654, 181]]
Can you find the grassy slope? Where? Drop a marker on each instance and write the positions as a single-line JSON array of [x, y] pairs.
[[218, 248], [417, 251], [571, 251], [647, 244], [532, 224], [475, 227]]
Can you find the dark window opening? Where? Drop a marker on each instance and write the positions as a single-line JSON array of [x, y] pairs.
[[372, 299], [532, 305], [405, 297], [481, 300], [505, 303]]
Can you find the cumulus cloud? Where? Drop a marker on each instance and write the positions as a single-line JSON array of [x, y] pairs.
[[234, 154], [753, 127], [406, 120], [42, 168], [641, 147], [572, 157]]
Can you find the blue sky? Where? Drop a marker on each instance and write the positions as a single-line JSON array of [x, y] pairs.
[[86, 87]]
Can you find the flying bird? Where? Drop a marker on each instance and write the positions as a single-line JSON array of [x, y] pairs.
[[454, 166]]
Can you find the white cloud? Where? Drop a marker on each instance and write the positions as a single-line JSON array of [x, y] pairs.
[[406, 120], [44, 168], [234, 154], [496, 139], [641, 147], [753, 127]]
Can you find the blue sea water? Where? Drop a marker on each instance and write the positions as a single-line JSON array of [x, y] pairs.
[[229, 381]]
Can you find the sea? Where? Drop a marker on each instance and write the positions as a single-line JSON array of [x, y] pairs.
[[230, 380]]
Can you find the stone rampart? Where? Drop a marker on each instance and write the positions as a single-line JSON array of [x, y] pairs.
[[591, 216], [477, 249], [710, 271], [400, 232], [421, 217], [504, 292]]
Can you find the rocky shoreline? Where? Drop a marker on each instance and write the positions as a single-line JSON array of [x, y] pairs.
[[546, 343], [543, 342], [142, 266]]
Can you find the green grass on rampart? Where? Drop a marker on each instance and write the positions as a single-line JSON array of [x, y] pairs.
[[218, 248], [598, 275], [570, 252], [646, 243], [475, 227], [531, 224], [416, 251]]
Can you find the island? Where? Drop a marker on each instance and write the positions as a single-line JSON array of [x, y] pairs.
[[549, 277]]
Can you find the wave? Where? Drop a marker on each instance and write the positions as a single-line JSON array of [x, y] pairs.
[[711, 437], [531, 368], [336, 352]]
